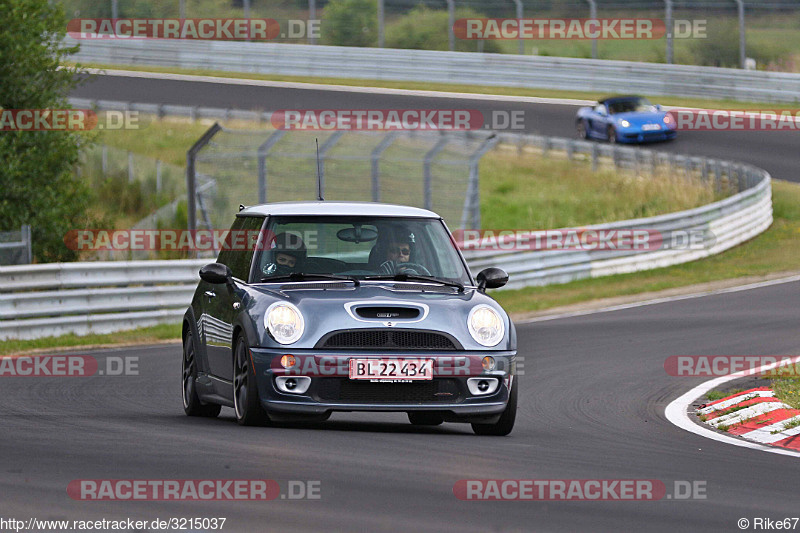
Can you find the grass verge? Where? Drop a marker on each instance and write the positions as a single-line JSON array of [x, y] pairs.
[[441, 87], [146, 335], [787, 390], [775, 250]]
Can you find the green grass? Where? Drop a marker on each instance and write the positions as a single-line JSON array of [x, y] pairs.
[[715, 395], [787, 390], [446, 87], [535, 192], [776, 250], [151, 334]]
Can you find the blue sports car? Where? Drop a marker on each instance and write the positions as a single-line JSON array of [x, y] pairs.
[[625, 119]]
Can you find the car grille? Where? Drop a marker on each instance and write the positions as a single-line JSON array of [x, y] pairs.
[[391, 339], [350, 391]]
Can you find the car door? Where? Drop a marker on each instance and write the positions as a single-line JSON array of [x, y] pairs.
[[600, 120], [223, 300]]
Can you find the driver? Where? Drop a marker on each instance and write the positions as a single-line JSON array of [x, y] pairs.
[[398, 253], [288, 255]]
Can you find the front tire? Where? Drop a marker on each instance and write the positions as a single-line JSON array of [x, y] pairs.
[[192, 405], [503, 426], [246, 403], [580, 127]]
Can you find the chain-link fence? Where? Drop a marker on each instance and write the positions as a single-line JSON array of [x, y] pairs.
[[729, 31], [437, 171]]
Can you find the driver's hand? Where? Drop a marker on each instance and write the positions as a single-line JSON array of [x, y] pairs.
[[387, 268]]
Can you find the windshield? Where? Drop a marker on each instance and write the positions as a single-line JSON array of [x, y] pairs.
[[641, 105], [359, 247]]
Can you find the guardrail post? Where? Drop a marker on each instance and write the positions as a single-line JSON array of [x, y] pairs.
[[426, 165], [546, 147], [375, 157], [570, 149], [263, 151], [595, 157], [130, 166]]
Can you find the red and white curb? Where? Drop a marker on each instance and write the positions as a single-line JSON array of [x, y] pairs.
[[755, 415], [678, 413]]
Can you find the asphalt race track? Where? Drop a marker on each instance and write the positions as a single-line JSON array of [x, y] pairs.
[[591, 407], [592, 403], [776, 152]]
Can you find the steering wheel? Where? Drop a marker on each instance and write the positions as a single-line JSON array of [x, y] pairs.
[[414, 268]]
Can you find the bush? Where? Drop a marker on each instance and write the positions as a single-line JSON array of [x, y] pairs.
[[350, 23], [427, 29]]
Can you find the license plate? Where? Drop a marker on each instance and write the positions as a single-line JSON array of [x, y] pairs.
[[651, 127], [391, 369]]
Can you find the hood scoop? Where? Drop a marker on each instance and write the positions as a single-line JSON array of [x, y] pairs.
[[380, 312]]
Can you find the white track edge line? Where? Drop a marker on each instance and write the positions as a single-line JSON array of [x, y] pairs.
[[667, 299]]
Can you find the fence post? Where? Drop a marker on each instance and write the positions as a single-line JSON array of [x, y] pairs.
[[742, 37], [520, 41], [472, 200], [158, 175], [263, 151], [323, 151], [28, 239], [381, 21], [595, 157], [428, 193], [593, 16], [191, 181], [669, 28], [451, 20], [104, 159], [375, 156]]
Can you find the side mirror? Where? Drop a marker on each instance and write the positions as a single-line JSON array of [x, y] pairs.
[[216, 273], [491, 278], [658, 107]]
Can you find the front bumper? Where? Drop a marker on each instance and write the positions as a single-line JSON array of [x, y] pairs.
[[331, 389], [640, 136]]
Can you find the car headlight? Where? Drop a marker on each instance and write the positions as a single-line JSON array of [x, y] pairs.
[[485, 325], [668, 120], [624, 123], [284, 322]]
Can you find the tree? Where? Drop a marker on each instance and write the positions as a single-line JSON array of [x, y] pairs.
[[350, 23], [37, 185]]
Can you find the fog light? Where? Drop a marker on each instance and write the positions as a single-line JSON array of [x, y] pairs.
[[293, 385], [482, 386], [488, 363], [288, 361]]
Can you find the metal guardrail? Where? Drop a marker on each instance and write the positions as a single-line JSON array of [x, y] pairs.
[[603, 76]]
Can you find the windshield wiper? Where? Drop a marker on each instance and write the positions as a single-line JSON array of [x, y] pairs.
[[417, 277], [300, 276]]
